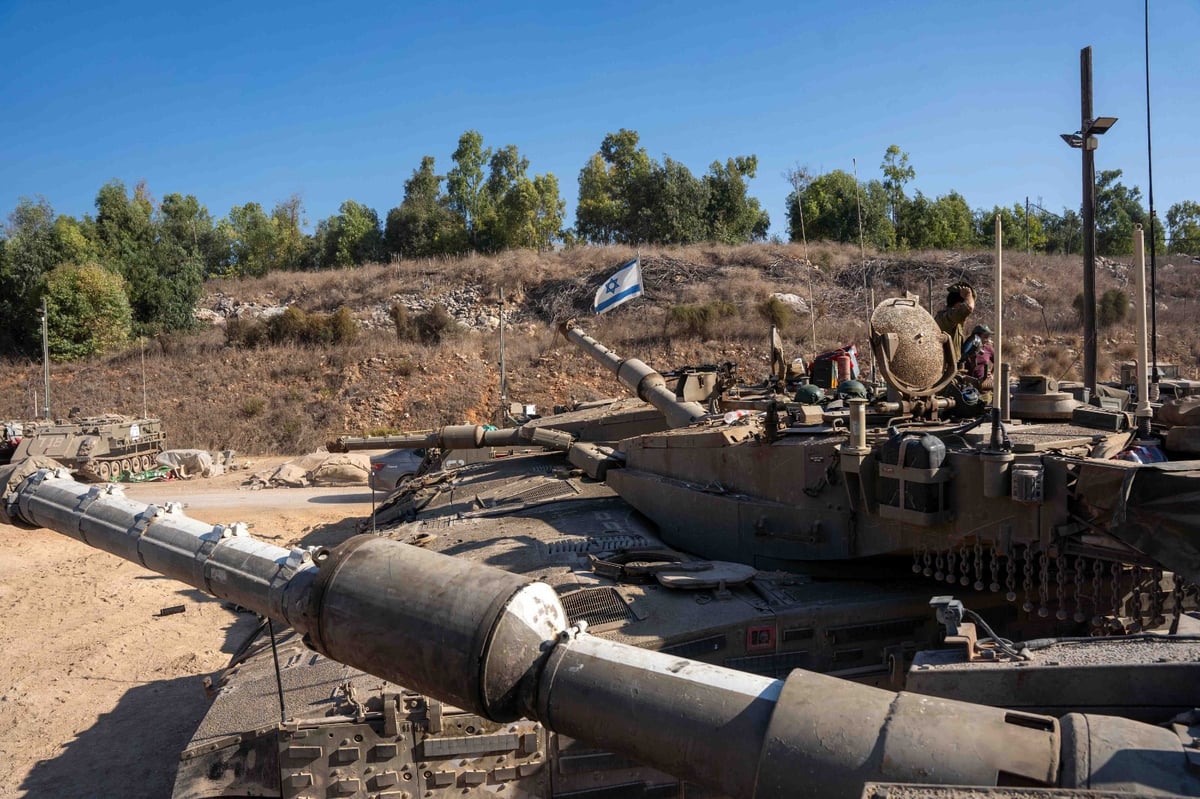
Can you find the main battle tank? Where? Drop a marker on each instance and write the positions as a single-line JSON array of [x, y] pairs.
[[501, 688], [96, 447], [787, 540]]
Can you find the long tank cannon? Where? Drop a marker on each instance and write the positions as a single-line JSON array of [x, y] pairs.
[[461, 436], [639, 378], [499, 644]]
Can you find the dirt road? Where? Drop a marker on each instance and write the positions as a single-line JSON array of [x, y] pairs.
[[98, 692]]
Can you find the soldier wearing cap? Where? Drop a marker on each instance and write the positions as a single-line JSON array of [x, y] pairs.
[[979, 357], [960, 301]]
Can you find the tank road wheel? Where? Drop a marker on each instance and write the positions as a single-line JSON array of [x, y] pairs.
[[126, 466], [104, 470], [146, 462]]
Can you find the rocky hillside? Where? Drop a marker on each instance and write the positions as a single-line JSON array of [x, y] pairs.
[[703, 304]]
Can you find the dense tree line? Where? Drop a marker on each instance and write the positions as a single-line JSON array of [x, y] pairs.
[[487, 202], [829, 207], [136, 266], [626, 197]]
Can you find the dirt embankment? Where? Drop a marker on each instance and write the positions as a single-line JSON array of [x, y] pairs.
[[703, 304]]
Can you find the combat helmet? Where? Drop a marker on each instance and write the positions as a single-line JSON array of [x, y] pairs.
[[809, 394], [851, 389]]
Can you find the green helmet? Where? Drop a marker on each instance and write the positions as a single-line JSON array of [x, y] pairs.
[[808, 394], [851, 389]]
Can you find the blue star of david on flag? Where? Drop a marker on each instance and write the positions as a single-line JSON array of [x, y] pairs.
[[624, 285]]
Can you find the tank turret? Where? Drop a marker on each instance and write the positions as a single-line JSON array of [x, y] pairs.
[[1006, 509], [501, 646]]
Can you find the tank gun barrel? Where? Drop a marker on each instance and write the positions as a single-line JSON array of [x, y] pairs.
[[639, 378], [404, 441], [460, 436], [500, 644]]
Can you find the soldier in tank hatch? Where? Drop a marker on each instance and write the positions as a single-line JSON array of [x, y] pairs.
[[960, 302]]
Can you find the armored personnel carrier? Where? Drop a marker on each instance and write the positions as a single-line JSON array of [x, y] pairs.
[[95, 447], [10, 438], [671, 580]]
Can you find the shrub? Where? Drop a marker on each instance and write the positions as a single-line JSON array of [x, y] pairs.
[[253, 406], [427, 327], [436, 325], [342, 327], [406, 325], [245, 333], [776, 312], [1112, 308], [291, 325], [697, 320], [294, 326]]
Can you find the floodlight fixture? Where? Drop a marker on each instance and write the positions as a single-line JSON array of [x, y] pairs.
[[1100, 125], [1072, 139]]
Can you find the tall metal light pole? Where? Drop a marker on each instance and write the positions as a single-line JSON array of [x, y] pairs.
[[46, 355], [1085, 139]]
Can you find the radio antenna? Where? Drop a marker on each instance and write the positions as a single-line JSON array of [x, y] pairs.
[[1150, 192]]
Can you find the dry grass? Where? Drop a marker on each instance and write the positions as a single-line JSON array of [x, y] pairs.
[[290, 399]]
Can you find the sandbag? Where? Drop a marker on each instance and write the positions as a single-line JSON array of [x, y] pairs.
[[189, 463], [348, 468]]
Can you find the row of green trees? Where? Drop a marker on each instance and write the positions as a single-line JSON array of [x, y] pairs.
[[487, 202], [137, 265], [830, 206], [627, 197]]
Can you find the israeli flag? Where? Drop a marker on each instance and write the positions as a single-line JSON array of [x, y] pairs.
[[624, 285]]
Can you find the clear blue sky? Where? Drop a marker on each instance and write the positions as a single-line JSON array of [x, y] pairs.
[[254, 101]]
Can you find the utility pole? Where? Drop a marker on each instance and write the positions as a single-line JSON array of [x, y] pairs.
[[1089, 221], [46, 356], [1028, 251], [1085, 140]]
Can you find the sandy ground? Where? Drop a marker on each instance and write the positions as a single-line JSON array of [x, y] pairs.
[[98, 692]]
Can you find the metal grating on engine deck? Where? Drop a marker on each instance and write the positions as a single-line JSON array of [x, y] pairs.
[[596, 606], [778, 665], [599, 543], [525, 494], [557, 488]]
